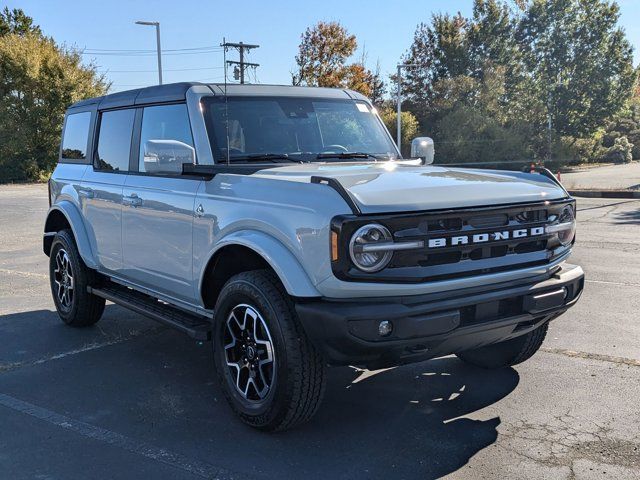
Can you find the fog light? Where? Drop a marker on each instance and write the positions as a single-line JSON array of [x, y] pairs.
[[385, 328]]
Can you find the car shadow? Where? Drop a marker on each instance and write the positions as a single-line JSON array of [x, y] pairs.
[[630, 217], [417, 412], [156, 385]]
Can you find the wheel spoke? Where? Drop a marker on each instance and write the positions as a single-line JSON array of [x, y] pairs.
[[248, 349]]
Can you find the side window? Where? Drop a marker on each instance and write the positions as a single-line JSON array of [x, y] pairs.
[[76, 135], [165, 139], [114, 140]]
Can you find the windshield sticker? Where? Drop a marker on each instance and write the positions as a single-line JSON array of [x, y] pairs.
[[362, 107]]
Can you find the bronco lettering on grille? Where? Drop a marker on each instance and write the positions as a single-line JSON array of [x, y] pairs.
[[485, 237]]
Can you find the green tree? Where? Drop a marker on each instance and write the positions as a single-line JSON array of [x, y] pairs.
[[38, 81], [322, 59], [516, 67], [581, 62], [17, 22], [408, 124]]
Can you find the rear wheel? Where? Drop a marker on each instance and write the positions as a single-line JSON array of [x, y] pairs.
[[69, 278], [505, 354], [270, 373]]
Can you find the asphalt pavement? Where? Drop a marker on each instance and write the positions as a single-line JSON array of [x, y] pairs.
[[611, 177], [131, 399]]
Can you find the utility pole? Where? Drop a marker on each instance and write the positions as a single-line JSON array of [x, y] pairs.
[[399, 101], [241, 65], [159, 50]]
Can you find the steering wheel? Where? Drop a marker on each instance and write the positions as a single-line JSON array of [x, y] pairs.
[[333, 148]]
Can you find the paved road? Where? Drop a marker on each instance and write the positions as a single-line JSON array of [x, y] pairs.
[[130, 399], [612, 177]]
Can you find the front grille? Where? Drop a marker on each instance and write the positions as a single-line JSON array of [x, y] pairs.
[[467, 226], [448, 259]]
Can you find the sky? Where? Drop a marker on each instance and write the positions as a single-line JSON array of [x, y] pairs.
[[384, 30]]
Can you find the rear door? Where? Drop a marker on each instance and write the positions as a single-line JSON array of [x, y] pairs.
[[158, 212], [101, 188]]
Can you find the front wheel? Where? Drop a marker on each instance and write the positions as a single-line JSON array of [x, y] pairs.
[[269, 371], [506, 354]]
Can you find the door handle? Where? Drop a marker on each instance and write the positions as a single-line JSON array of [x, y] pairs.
[[132, 200], [199, 211], [85, 192]]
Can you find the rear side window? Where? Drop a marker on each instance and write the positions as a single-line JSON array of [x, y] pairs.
[[76, 136], [165, 139], [114, 140]]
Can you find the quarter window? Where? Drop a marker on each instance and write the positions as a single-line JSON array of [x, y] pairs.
[[165, 139], [114, 141], [76, 136]]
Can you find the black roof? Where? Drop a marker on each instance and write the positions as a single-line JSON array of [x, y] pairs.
[[172, 92], [176, 92]]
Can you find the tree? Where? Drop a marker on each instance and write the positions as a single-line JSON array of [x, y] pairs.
[[322, 61], [522, 64], [408, 121], [38, 81], [17, 22], [378, 87], [581, 62]]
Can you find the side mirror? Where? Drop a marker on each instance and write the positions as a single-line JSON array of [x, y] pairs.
[[422, 147], [167, 156]]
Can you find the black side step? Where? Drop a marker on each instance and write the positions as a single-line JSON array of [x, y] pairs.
[[196, 326]]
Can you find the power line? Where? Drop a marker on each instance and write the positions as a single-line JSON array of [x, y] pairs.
[[127, 50], [165, 70], [147, 54]]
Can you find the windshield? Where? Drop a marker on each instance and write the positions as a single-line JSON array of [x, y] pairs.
[[285, 129]]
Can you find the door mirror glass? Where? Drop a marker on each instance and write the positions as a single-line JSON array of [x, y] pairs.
[[167, 156], [422, 147]]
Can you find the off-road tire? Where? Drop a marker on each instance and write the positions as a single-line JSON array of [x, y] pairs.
[[299, 379], [505, 354], [84, 309]]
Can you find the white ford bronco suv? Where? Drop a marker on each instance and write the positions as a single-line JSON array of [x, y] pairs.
[[282, 224]]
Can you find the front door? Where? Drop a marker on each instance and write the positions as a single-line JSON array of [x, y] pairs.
[[158, 211]]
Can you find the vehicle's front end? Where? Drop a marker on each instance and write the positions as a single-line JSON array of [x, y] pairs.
[[438, 282]]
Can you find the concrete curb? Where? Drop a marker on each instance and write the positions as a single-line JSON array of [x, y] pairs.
[[605, 193]]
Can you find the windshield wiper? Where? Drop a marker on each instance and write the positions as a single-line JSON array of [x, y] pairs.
[[271, 157], [345, 155]]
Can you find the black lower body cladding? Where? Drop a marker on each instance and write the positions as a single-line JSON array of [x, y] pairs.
[[427, 326]]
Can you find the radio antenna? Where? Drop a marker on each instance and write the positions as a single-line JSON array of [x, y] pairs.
[[226, 98]]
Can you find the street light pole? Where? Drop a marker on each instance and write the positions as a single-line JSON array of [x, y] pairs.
[[159, 50], [399, 100]]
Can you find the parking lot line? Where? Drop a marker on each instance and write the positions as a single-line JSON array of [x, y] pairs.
[[176, 460], [87, 348], [24, 274]]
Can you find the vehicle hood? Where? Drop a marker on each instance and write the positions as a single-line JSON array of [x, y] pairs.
[[401, 187]]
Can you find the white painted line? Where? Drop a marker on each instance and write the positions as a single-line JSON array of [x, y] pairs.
[[23, 274], [175, 460], [620, 284], [87, 348]]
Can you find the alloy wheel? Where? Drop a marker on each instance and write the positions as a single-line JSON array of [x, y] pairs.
[[249, 352], [63, 280]]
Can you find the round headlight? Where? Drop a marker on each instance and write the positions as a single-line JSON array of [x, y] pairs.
[[363, 251], [564, 226]]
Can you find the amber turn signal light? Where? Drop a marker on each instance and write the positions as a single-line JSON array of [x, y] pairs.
[[334, 246]]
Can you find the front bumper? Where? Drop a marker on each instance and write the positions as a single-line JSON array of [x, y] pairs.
[[436, 324]]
